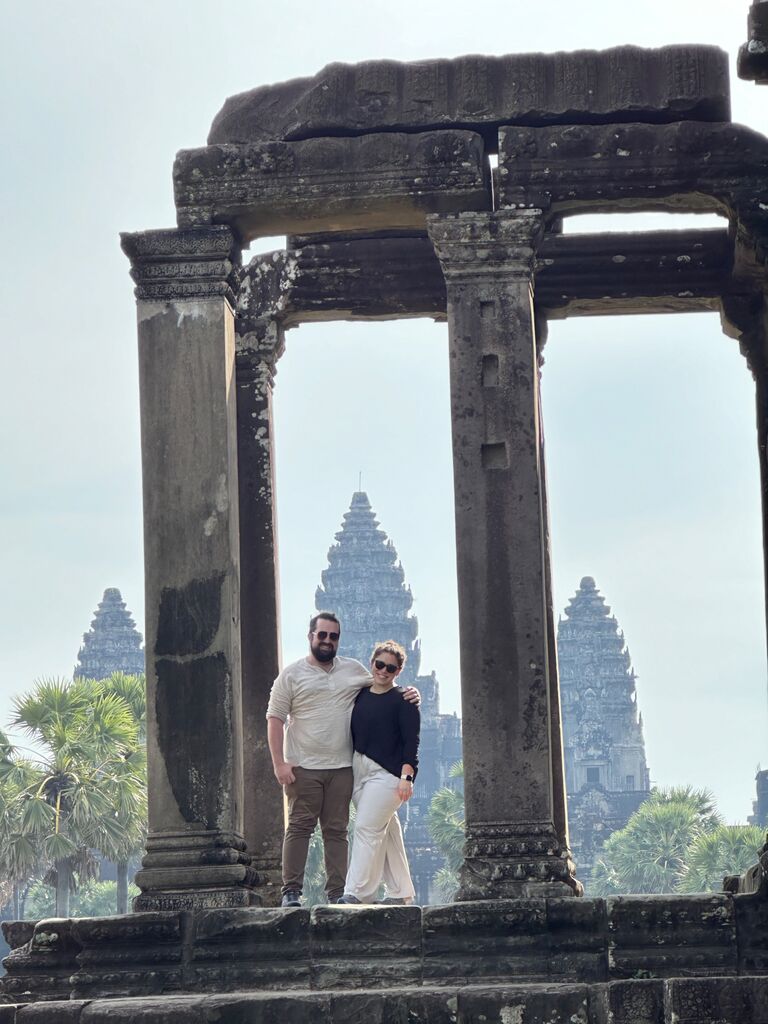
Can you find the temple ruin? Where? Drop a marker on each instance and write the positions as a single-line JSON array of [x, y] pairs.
[[380, 175]]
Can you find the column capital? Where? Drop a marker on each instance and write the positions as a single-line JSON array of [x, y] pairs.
[[184, 263], [477, 245], [257, 348]]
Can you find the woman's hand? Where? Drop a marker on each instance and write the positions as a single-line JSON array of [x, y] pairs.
[[405, 790]]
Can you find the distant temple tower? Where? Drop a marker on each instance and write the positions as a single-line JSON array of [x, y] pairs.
[[364, 585], [113, 644], [606, 772]]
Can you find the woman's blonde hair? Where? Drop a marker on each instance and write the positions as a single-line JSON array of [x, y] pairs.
[[390, 647]]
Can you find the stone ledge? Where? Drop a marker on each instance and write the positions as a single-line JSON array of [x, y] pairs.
[[667, 84], [675, 1001]]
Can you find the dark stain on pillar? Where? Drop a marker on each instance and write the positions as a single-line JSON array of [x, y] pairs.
[[189, 617], [494, 456], [193, 733], [490, 371]]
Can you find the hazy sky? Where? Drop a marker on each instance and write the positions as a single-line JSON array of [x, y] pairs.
[[649, 421]]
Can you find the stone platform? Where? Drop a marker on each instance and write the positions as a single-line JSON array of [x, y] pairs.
[[639, 959]]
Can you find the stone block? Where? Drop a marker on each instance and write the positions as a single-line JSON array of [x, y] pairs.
[[717, 1000], [751, 933], [386, 181], [602, 168], [495, 940], [662, 936], [131, 954], [576, 931], [667, 84], [524, 1004], [42, 967], [640, 1001], [18, 933], [414, 1005], [8, 1013], [250, 949], [240, 1008], [60, 1012], [365, 947]]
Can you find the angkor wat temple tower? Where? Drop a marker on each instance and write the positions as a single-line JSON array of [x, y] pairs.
[[112, 644], [605, 766], [364, 585]]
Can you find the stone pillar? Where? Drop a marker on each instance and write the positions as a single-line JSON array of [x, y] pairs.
[[196, 854], [511, 771], [259, 345]]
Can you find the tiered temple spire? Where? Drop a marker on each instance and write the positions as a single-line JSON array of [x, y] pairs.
[[365, 586], [113, 644], [606, 771]]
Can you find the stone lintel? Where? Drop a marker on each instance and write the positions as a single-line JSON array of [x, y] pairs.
[[379, 181], [753, 55], [177, 264], [393, 276], [688, 166], [482, 92]]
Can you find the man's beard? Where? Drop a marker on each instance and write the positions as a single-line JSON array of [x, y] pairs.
[[323, 653]]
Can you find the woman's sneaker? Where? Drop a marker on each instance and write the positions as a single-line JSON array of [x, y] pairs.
[[393, 901], [347, 899]]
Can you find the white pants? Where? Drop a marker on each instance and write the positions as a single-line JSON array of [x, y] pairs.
[[378, 852]]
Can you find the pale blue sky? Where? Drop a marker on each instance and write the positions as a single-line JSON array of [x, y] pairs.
[[649, 421]]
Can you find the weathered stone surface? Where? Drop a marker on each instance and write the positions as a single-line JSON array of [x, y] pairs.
[[514, 842], [257, 350], [687, 166], [51, 1013], [128, 954], [666, 935], [576, 934], [629, 1002], [195, 850], [667, 84], [496, 941], [194, 264], [347, 184], [250, 949], [392, 276], [365, 947], [529, 1004], [40, 969], [717, 1000], [751, 915], [753, 55]]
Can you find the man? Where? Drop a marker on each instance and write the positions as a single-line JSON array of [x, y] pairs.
[[312, 753]]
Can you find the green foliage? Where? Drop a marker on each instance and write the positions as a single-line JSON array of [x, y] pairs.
[[83, 789], [727, 850], [446, 826], [95, 899]]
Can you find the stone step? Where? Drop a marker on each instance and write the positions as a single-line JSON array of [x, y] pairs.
[[639, 1001]]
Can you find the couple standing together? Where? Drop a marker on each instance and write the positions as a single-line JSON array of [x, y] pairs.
[[338, 732]]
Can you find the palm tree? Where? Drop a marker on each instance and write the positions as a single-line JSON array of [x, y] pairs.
[[446, 826], [83, 736], [19, 853], [728, 850]]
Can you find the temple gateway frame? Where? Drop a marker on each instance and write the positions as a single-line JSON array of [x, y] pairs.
[[380, 175]]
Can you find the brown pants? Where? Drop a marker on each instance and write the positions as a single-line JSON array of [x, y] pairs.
[[318, 794]]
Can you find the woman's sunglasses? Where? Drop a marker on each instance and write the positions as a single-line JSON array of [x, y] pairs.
[[382, 664]]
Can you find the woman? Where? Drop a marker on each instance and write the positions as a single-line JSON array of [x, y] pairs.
[[385, 734]]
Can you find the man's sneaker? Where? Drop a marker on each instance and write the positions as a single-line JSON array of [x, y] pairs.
[[291, 899], [347, 899]]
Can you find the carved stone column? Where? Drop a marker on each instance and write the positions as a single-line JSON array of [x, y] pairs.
[[515, 843], [186, 280], [259, 345]]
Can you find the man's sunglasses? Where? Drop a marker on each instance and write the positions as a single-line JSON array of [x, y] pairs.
[[382, 664], [321, 634]]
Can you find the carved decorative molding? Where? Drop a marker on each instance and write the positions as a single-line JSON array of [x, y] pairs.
[[175, 264], [478, 245]]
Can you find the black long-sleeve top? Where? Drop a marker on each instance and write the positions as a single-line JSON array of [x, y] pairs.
[[385, 727]]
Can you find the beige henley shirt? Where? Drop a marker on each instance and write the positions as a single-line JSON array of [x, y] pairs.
[[317, 707]]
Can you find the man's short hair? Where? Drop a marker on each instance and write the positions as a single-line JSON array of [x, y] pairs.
[[323, 615]]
